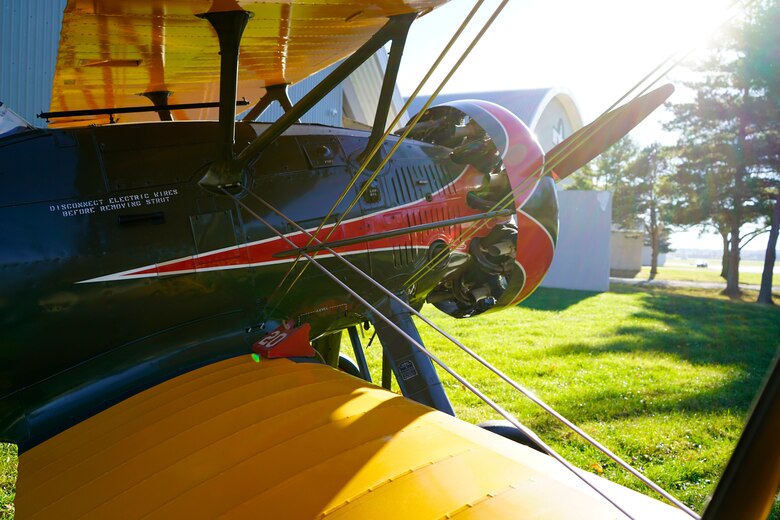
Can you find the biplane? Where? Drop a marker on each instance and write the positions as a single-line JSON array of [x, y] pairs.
[[177, 279]]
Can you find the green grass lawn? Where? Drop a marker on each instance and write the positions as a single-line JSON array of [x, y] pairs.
[[7, 480], [663, 378]]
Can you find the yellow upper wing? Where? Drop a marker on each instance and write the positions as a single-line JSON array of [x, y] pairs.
[[113, 51]]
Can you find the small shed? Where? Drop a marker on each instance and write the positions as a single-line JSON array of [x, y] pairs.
[[626, 253]]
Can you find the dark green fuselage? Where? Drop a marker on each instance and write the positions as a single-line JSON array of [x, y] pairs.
[[88, 202], [120, 271]]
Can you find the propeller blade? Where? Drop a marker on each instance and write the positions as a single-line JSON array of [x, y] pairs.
[[590, 141]]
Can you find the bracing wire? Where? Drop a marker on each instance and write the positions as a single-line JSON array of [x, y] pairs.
[[508, 416], [377, 146], [406, 132], [530, 395], [503, 203], [507, 200], [671, 61]]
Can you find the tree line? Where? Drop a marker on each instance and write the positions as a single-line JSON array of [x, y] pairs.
[[724, 170]]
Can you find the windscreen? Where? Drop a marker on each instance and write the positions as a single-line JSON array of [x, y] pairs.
[[11, 123]]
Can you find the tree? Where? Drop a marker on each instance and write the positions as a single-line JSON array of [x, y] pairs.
[[646, 193], [761, 68], [765, 292], [717, 183]]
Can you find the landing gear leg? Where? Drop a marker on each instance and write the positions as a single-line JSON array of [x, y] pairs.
[[413, 370], [360, 356]]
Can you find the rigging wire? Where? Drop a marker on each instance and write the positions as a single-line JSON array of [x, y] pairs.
[[505, 202], [564, 153], [529, 394], [373, 310], [377, 146], [406, 132]]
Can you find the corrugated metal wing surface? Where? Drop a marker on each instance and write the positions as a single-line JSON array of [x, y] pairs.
[[326, 112], [361, 92]]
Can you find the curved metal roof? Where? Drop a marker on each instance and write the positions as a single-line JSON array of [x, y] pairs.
[[527, 104]]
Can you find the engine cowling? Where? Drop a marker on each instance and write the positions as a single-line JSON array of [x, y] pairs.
[[508, 261]]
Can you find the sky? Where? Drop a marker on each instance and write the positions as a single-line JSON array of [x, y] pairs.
[[596, 49]]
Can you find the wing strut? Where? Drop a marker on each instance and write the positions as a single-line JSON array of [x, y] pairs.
[[159, 99], [227, 172], [377, 315], [414, 371], [412, 341], [229, 26], [388, 88], [272, 93], [360, 355]]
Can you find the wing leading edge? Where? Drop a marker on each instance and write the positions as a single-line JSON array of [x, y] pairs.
[[285, 440]]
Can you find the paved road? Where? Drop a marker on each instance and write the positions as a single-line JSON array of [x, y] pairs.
[[677, 283]]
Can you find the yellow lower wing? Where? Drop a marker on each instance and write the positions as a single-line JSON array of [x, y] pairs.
[[278, 439]]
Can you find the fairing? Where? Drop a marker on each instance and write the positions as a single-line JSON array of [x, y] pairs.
[[507, 261]]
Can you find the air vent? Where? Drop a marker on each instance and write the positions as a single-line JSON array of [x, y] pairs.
[[404, 255]]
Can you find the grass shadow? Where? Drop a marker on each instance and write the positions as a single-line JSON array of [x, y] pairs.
[[663, 377], [735, 394], [544, 299], [701, 332]]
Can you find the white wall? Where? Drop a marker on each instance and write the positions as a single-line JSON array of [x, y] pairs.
[[626, 252], [581, 259]]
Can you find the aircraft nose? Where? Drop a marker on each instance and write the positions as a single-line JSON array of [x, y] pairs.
[[507, 262]]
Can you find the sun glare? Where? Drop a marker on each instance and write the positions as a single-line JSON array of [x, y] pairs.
[[597, 49]]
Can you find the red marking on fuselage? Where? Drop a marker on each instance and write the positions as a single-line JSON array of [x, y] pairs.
[[535, 251], [523, 159], [450, 201]]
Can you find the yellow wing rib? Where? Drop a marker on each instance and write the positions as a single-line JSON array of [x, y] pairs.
[[114, 51], [284, 440]]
